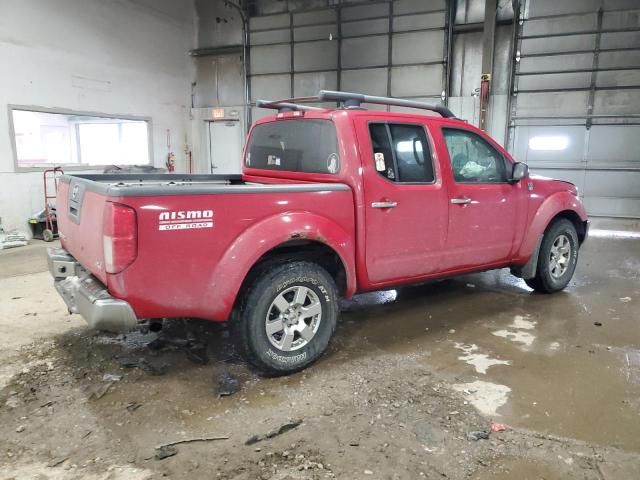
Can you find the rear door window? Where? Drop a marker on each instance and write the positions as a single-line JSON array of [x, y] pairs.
[[401, 152], [295, 146]]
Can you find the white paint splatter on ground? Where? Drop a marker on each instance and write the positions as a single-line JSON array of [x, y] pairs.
[[486, 397], [481, 361], [522, 323], [554, 346], [525, 338], [632, 365], [519, 333]]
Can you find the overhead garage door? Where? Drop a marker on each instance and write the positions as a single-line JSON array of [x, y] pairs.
[[380, 48], [576, 106]]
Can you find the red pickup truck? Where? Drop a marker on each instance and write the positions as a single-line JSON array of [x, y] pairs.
[[332, 201]]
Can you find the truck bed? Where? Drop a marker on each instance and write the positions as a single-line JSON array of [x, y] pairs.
[[193, 233]]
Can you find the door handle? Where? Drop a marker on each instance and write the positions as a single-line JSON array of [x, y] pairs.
[[460, 201], [384, 204]]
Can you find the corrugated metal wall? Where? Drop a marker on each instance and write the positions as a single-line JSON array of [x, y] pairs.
[[573, 76], [576, 106], [393, 48]]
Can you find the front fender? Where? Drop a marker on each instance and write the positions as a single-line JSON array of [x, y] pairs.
[[553, 205], [269, 233]]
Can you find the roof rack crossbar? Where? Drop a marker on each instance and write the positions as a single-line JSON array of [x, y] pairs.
[[353, 100], [284, 106]]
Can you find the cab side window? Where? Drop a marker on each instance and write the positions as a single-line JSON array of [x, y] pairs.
[[473, 159], [401, 152]]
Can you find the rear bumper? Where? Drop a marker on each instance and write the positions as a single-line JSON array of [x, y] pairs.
[[86, 295]]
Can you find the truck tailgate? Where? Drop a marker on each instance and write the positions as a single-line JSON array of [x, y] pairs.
[[80, 212]]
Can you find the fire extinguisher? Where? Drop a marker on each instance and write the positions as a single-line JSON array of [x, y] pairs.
[[171, 157], [171, 162]]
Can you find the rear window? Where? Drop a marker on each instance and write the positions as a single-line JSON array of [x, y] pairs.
[[294, 146]]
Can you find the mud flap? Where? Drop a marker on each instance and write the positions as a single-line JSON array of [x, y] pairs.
[[529, 269]]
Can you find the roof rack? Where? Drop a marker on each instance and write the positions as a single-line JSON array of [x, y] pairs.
[[348, 100], [286, 105], [354, 100]]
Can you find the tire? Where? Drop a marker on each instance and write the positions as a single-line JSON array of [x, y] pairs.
[[47, 235], [286, 318], [557, 258]]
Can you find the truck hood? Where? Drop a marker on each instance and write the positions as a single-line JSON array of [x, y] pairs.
[[551, 185]]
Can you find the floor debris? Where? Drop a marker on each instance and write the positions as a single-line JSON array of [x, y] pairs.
[[476, 435], [498, 427], [165, 452], [227, 384], [57, 462], [133, 406], [274, 433], [100, 391], [191, 440], [151, 368], [13, 239]]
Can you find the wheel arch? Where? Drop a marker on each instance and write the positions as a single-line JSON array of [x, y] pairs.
[[285, 237], [579, 224], [528, 270], [558, 205]]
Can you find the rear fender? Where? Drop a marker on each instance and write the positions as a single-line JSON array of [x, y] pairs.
[[253, 243], [556, 203]]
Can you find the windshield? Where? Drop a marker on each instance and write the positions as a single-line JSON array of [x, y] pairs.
[[294, 146]]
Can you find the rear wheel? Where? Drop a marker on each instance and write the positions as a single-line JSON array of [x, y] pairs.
[[557, 258], [47, 235], [287, 317]]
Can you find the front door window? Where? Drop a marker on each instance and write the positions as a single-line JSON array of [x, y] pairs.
[[473, 160]]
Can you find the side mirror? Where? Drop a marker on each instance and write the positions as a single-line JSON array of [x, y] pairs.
[[520, 171]]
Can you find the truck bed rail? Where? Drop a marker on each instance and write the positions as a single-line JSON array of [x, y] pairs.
[[151, 185]]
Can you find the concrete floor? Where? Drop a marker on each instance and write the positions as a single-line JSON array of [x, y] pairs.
[[561, 371]]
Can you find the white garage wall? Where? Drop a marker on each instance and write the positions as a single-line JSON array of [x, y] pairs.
[[120, 57]]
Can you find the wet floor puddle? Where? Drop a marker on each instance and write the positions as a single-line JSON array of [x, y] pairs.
[[533, 361]]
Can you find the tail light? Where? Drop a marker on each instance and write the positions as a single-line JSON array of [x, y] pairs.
[[120, 237]]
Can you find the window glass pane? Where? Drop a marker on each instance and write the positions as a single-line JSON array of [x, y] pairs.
[[473, 159], [412, 153], [43, 138], [382, 154], [294, 146], [409, 145], [99, 143]]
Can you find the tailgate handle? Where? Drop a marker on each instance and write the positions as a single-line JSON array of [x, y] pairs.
[[76, 194], [384, 204]]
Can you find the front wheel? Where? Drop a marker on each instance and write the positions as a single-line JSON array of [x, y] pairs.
[[287, 317], [557, 258]]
